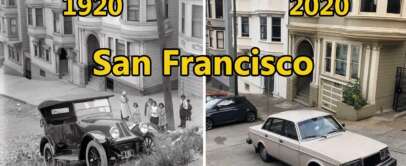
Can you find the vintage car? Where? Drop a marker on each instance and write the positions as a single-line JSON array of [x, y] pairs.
[[315, 138], [83, 128]]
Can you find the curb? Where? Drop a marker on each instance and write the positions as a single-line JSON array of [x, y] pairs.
[[13, 98]]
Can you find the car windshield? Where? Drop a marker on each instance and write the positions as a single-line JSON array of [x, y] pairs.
[[211, 103], [92, 107], [319, 127]]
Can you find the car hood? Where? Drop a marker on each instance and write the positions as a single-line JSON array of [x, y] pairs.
[[343, 147], [101, 119]]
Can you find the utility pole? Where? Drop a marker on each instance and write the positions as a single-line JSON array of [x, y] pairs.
[[230, 21], [235, 45]]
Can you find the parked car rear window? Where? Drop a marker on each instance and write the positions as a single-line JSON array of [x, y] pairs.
[[92, 107], [319, 127], [274, 125], [290, 130]]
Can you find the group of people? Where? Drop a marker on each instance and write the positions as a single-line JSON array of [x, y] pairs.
[[154, 113]]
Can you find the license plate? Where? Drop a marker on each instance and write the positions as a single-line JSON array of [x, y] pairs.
[[127, 154]]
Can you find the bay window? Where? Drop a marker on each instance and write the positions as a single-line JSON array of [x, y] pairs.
[[133, 13], [342, 59]]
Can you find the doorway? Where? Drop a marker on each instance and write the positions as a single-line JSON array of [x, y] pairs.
[[92, 45], [303, 83], [63, 62]]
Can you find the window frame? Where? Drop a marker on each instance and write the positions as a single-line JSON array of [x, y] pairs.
[[133, 8], [37, 16], [147, 5], [400, 7], [279, 28], [361, 7], [217, 39], [245, 34], [263, 28], [332, 72]]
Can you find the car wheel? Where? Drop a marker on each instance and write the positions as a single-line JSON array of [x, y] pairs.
[[48, 155], [148, 144], [95, 155], [251, 117], [263, 154], [209, 124]]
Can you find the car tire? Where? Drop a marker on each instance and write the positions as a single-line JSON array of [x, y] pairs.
[[148, 144], [264, 154], [251, 117], [95, 154], [48, 155], [209, 124]]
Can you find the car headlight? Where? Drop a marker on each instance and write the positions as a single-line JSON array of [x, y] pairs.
[[144, 128], [384, 153], [114, 132], [353, 163]]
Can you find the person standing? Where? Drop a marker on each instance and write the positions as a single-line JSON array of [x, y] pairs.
[[125, 108], [154, 114], [189, 110], [162, 117], [147, 109], [136, 114], [182, 111]]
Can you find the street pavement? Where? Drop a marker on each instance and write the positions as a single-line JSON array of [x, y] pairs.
[[226, 144]]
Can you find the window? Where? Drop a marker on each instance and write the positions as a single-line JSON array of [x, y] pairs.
[[92, 107], [4, 25], [394, 6], [39, 17], [29, 16], [13, 26], [151, 11], [327, 58], [166, 9], [3, 2], [341, 59], [11, 3], [42, 73], [57, 28], [208, 8], [67, 25], [120, 47], [197, 21], [276, 29], [183, 17], [210, 38], [355, 51], [226, 102], [263, 28], [47, 55], [219, 8], [220, 39], [133, 13], [245, 26], [276, 126], [368, 5], [290, 130], [13, 54]]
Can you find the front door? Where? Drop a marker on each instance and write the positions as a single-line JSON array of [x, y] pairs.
[[270, 136], [289, 146], [225, 112], [27, 67]]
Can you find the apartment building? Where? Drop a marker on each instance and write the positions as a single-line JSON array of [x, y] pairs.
[[51, 39], [262, 24], [190, 42], [368, 45], [135, 32], [13, 36]]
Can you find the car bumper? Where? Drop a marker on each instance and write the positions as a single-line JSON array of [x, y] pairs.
[[390, 162], [124, 148]]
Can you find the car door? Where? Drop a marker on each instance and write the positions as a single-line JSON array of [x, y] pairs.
[[55, 126], [270, 136], [289, 146], [224, 112]]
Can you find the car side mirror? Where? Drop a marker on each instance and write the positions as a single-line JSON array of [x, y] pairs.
[[343, 124]]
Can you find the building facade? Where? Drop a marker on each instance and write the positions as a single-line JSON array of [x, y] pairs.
[[368, 45], [51, 39], [262, 24], [13, 36], [191, 42]]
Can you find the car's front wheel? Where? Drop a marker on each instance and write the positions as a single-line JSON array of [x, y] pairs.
[[95, 155], [148, 144], [263, 154], [48, 155]]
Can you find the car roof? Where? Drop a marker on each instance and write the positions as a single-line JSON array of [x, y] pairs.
[[72, 99], [297, 116]]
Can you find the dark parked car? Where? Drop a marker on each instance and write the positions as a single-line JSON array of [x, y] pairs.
[[84, 128], [226, 110]]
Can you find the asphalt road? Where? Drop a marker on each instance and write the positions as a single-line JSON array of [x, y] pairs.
[[226, 146]]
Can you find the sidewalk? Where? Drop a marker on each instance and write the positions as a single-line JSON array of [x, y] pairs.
[[36, 91]]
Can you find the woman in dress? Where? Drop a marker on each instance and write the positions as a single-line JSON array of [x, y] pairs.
[[154, 114], [162, 117], [125, 108], [136, 114]]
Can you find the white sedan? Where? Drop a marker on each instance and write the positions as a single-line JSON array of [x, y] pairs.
[[315, 138]]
